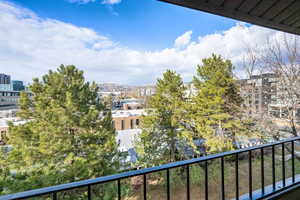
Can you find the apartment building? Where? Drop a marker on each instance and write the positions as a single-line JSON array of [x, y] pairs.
[[258, 92], [285, 104]]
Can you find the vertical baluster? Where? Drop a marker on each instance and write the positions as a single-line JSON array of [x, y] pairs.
[[283, 164], [273, 167], [145, 186], [206, 180], [54, 196], [89, 193], [262, 170], [188, 182], [119, 189], [237, 176], [222, 179], [293, 161], [250, 174], [168, 184]]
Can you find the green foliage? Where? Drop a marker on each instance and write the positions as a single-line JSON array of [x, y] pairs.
[[214, 112], [161, 138], [68, 135]]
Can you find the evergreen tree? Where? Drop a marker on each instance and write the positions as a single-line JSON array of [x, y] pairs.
[[68, 135], [162, 140], [214, 112]]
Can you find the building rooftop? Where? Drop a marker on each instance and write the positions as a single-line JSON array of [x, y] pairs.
[[127, 113]]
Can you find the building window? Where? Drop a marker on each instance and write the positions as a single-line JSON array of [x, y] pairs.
[[131, 123], [122, 125], [113, 124], [137, 122]]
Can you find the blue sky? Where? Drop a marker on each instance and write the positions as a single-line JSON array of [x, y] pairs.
[[141, 24], [121, 41]]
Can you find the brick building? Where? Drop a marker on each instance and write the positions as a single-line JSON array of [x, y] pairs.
[[127, 119]]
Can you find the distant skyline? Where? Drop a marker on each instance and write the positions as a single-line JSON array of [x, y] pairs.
[[121, 41]]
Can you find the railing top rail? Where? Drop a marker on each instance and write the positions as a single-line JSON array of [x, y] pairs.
[[104, 179]]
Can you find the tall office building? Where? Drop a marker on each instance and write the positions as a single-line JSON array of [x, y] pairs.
[[5, 82], [4, 79]]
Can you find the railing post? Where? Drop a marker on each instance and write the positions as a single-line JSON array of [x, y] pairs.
[[250, 174], [262, 170], [293, 161], [222, 179], [206, 180], [273, 168], [145, 186], [168, 184], [119, 189], [237, 193], [54, 196], [89, 193], [283, 164], [188, 182]]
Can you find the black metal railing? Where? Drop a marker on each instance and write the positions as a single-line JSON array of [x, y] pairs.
[[264, 192]]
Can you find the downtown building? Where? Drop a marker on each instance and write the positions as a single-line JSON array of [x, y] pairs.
[[5, 79], [5, 83], [9, 91]]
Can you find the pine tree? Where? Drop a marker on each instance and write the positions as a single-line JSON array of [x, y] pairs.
[[68, 135], [162, 139], [215, 110]]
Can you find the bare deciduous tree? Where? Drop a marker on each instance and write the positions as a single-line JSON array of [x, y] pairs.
[[251, 62], [282, 58]]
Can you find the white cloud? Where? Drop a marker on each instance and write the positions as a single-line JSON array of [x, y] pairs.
[[111, 2], [30, 46], [81, 1], [108, 2], [184, 39]]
